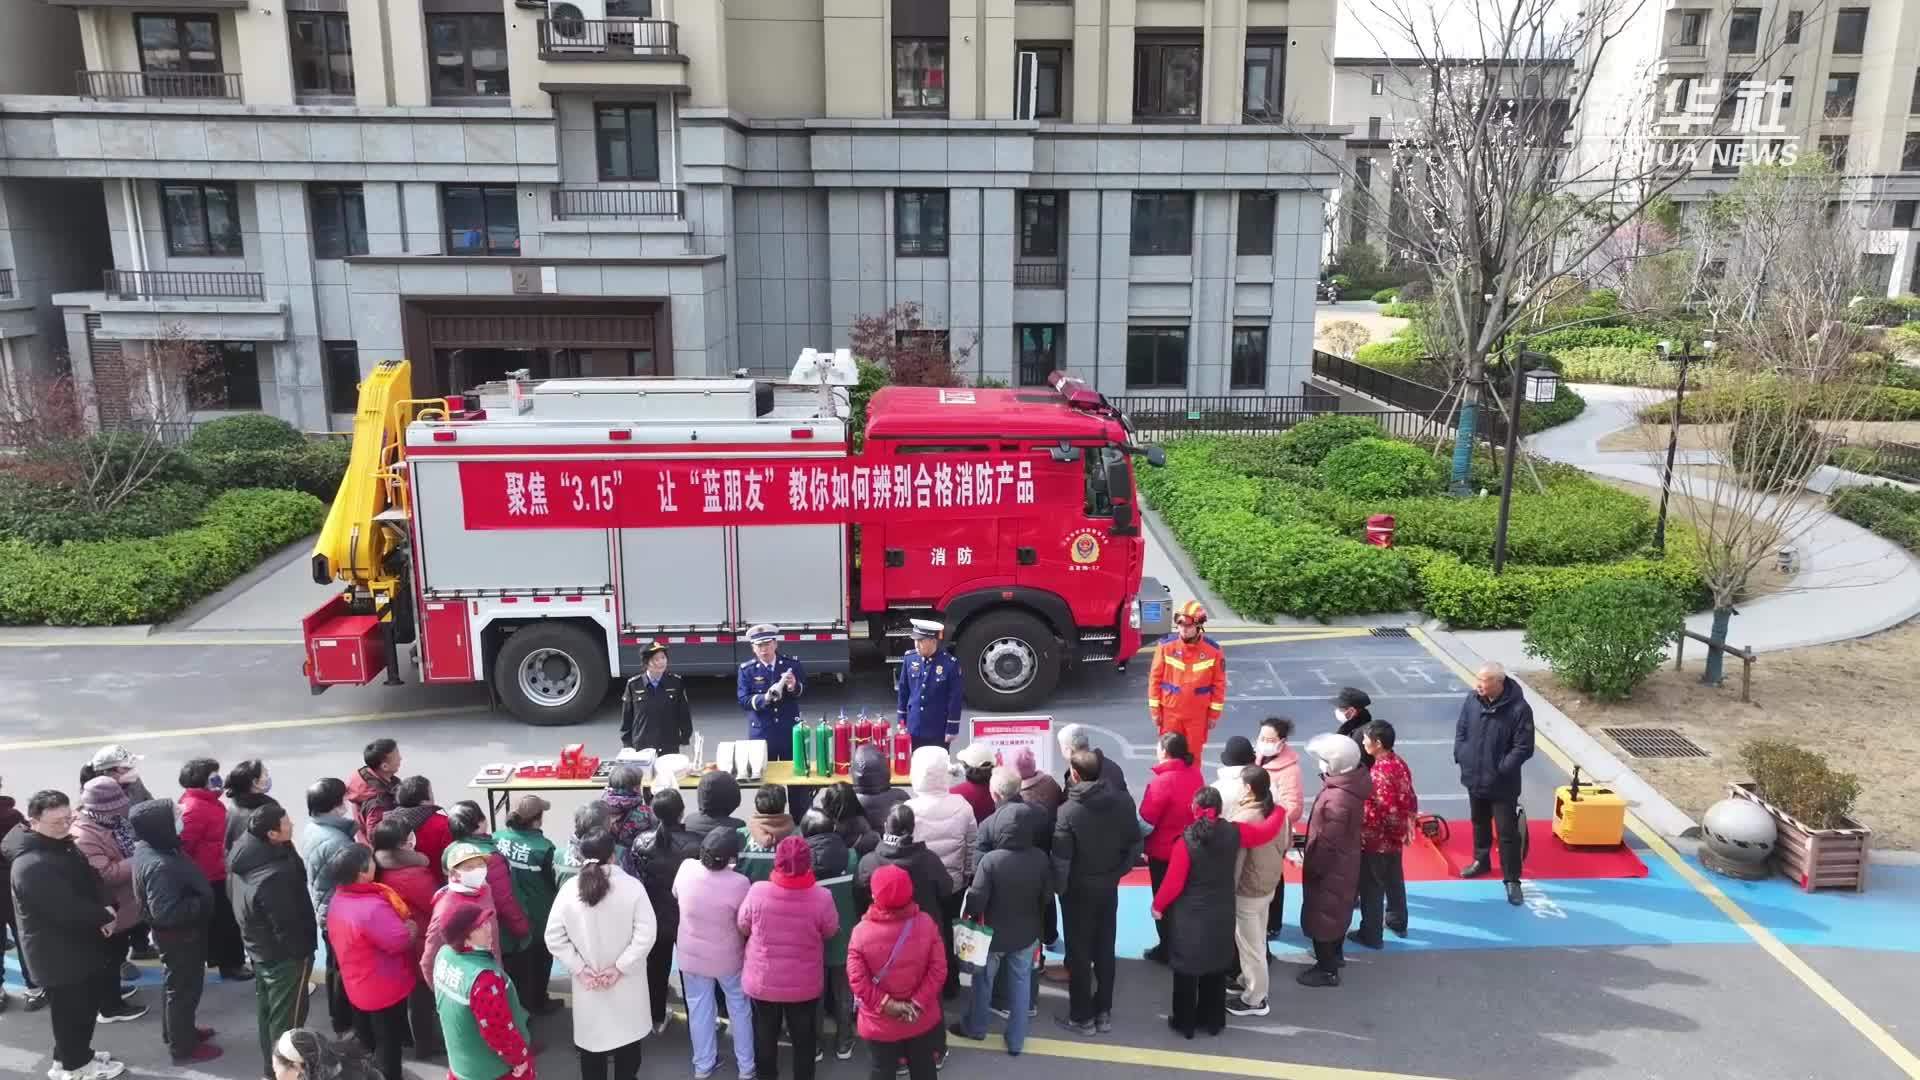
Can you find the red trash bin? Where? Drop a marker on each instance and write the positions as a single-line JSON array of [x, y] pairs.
[[1380, 530]]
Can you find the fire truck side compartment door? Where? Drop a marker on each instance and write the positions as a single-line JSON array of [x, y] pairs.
[[792, 575], [674, 577], [448, 648], [455, 557]]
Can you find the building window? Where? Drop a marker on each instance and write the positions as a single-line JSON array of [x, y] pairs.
[[230, 379], [1249, 359], [322, 53], [1048, 92], [201, 218], [1693, 28], [1256, 223], [1786, 96], [919, 223], [1265, 75], [1166, 79], [1730, 101], [1795, 20], [1040, 221], [1379, 86], [1850, 31], [1040, 352], [339, 213], [1156, 358], [1841, 90], [1903, 213], [469, 55], [1834, 149], [1743, 30], [342, 360], [1913, 108], [920, 75], [1727, 155], [178, 43], [626, 142], [1910, 153], [1373, 127], [481, 219], [1162, 223]]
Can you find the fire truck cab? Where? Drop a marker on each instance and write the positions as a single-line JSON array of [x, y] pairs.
[[535, 536]]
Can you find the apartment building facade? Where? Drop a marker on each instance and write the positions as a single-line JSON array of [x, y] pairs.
[[688, 187], [1842, 78]]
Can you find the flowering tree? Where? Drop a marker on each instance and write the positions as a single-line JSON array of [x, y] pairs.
[[912, 353]]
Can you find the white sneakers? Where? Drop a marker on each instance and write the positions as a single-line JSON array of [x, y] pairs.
[[101, 1067]]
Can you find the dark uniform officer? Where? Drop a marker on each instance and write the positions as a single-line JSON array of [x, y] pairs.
[[930, 689], [654, 710], [769, 688]]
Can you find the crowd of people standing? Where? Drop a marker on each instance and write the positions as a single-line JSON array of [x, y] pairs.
[[441, 935]]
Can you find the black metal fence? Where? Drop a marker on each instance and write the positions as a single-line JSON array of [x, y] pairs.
[[116, 85], [593, 202], [1225, 414], [184, 284], [1425, 405], [1897, 461], [608, 39]]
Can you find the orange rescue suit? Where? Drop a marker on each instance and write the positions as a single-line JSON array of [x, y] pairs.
[[1187, 688]]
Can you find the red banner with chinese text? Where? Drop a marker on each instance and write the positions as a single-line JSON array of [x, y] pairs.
[[652, 493]]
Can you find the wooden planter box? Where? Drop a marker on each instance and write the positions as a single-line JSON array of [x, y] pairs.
[[1816, 858]]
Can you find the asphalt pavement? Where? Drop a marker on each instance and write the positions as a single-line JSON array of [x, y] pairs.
[[1666, 975]]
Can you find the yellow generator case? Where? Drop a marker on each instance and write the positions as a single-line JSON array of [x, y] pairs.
[[1588, 815]]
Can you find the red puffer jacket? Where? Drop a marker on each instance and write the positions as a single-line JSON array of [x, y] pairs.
[[203, 832], [375, 946], [1168, 805], [918, 973]]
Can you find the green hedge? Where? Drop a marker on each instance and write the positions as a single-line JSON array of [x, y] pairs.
[[1893, 512], [1401, 352], [1386, 296], [1263, 569], [45, 514], [248, 431], [1394, 310], [1377, 468], [116, 582], [1722, 403], [1475, 598], [313, 467], [1566, 405], [1586, 337], [1619, 365]]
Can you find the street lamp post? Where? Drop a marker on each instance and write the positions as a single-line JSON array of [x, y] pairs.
[[1684, 358]]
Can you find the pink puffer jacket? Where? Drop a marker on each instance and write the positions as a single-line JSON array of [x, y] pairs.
[[710, 942], [1283, 769], [787, 931]]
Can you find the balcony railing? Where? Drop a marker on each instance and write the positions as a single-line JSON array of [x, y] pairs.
[[118, 85], [1051, 275], [184, 285], [6, 284], [609, 39], [589, 202]]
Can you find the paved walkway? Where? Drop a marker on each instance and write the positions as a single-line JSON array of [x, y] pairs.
[[1851, 582]]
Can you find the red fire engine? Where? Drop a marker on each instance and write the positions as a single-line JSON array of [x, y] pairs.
[[535, 535]]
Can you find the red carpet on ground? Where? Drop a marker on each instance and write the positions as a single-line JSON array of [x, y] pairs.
[[1547, 858]]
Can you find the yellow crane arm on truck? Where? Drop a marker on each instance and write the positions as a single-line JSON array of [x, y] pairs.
[[355, 541]]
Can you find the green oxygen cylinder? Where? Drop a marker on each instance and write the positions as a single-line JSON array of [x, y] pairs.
[[802, 748], [823, 748]]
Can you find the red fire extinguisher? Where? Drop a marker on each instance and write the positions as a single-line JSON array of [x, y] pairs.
[[862, 730], [902, 750], [842, 744]]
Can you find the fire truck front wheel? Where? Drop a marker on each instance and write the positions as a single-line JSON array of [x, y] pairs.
[[550, 674], [1011, 661]]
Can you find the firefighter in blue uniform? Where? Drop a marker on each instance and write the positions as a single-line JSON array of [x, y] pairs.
[[930, 690], [769, 688]]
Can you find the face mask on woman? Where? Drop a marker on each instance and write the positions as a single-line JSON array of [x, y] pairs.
[[1267, 747], [474, 879]]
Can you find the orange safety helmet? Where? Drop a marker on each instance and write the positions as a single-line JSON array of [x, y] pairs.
[[1191, 610]]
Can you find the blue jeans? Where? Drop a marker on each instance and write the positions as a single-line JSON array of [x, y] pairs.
[[1018, 966], [702, 1024]]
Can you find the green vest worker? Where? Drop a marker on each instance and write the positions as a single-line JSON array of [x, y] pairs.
[[480, 1017]]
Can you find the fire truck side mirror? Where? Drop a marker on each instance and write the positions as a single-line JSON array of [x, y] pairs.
[[1156, 457]]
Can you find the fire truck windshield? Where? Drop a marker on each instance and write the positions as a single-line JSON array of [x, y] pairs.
[[1102, 475]]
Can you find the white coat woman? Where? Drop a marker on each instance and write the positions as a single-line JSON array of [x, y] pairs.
[[944, 822], [601, 930]]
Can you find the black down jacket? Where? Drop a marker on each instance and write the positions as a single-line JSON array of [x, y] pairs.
[[1492, 740], [173, 892], [60, 904]]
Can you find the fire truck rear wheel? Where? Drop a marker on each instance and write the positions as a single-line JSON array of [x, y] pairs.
[[1010, 661], [551, 675]]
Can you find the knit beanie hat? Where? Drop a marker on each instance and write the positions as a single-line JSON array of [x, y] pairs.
[[793, 857], [1238, 751], [104, 797], [1025, 762], [892, 888]]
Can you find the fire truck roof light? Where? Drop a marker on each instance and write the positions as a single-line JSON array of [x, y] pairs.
[[801, 433], [445, 436]]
